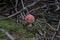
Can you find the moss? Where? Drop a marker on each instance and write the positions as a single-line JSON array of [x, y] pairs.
[[11, 24]]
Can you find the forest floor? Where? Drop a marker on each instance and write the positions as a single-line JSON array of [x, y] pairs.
[[15, 29]]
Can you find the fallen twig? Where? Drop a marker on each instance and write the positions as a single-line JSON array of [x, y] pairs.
[[55, 31], [6, 33]]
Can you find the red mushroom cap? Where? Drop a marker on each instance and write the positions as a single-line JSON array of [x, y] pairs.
[[29, 18]]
